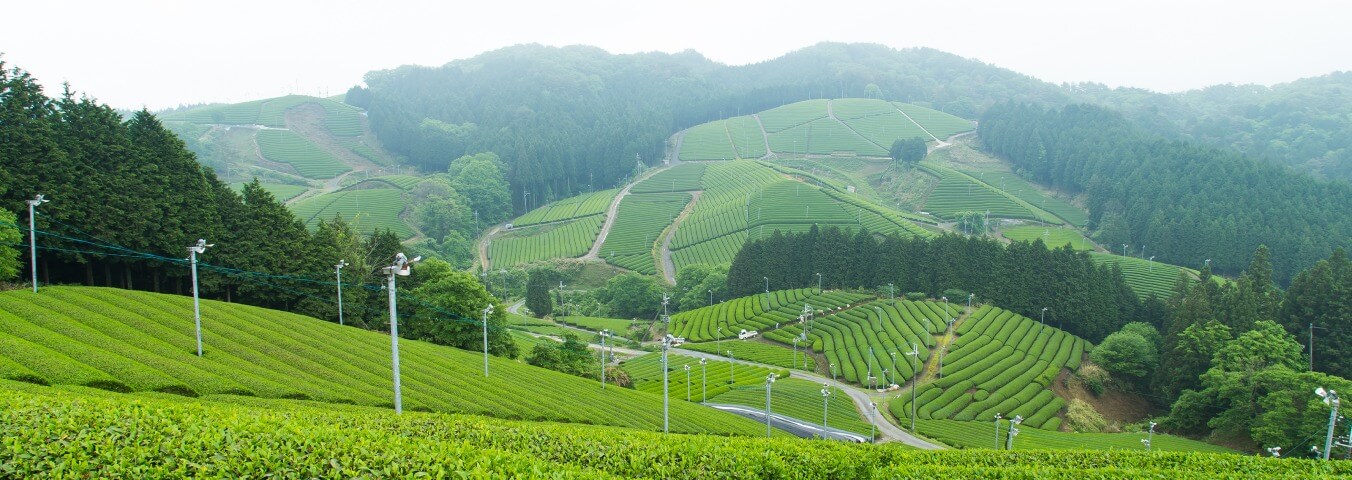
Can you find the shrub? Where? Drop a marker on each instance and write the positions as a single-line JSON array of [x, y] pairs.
[[1081, 417], [1093, 377], [915, 296], [1127, 354]]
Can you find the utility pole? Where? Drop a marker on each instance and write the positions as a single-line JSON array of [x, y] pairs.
[[872, 422], [33, 247], [401, 268], [338, 270], [687, 382], [193, 252], [997, 430], [767, 293], [666, 345], [1013, 431]]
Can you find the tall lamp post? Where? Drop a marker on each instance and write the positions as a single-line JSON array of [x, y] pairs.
[[33, 245], [703, 380], [1330, 398], [1013, 431], [486, 312], [997, 430], [826, 402], [894, 368], [892, 292], [193, 252], [605, 336], [687, 382], [915, 383], [666, 345], [401, 268], [872, 422], [769, 380], [767, 293], [338, 270], [819, 283]]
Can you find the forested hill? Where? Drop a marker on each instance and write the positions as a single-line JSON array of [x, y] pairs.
[[1306, 124], [1186, 203], [571, 119]]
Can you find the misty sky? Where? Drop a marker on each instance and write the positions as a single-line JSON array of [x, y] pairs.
[[165, 53]]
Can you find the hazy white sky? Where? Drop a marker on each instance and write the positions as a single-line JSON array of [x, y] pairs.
[[164, 53]]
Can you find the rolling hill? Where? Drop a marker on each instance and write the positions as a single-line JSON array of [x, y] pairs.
[[128, 341]]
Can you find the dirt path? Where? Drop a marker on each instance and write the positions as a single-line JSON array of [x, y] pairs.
[[941, 144], [668, 266], [764, 136], [483, 245]]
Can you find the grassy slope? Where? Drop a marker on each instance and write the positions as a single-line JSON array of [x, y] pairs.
[[136, 341], [177, 436]]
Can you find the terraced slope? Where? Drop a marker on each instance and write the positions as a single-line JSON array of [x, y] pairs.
[[959, 192], [1054, 237], [646, 372], [143, 342], [1147, 277], [751, 313], [584, 205], [860, 342], [759, 352], [639, 222], [177, 436], [1003, 363], [841, 127], [564, 240], [366, 209]]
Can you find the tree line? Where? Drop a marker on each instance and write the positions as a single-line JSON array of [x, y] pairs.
[[1083, 298], [127, 199], [1185, 202]]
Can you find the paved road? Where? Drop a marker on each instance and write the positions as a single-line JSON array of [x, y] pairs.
[[789, 424], [861, 399]]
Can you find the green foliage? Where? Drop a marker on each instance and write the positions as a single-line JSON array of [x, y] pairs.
[[481, 180], [1022, 189], [132, 341], [1319, 296], [570, 357], [861, 341], [458, 295], [633, 296], [181, 437], [646, 373], [1131, 352], [1098, 305], [10, 235], [909, 150], [681, 178], [538, 285], [700, 285], [1147, 277]]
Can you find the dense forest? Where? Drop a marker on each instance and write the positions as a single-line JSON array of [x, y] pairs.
[[1085, 299], [1305, 124], [127, 199], [573, 119], [1187, 203]]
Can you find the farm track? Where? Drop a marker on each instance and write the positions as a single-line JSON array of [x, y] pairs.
[[941, 144], [668, 266], [764, 136]]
